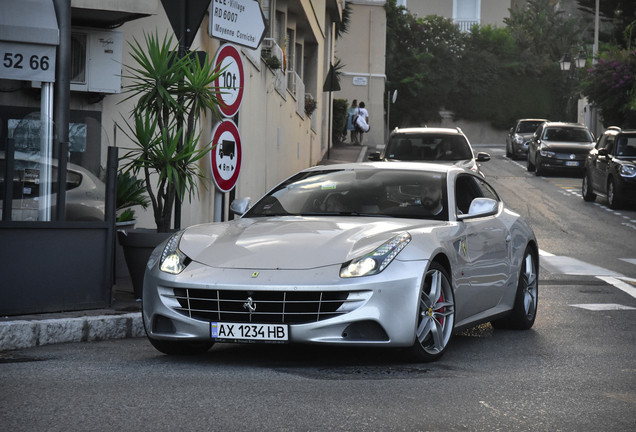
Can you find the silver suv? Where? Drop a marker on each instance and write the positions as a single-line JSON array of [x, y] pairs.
[[438, 145]]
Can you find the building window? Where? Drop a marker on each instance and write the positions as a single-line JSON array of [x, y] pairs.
[[466, 13]]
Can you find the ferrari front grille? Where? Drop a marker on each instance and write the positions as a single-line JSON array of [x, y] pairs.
[[267, 307]]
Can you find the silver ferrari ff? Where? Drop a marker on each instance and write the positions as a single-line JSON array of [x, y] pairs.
[[372, 254]]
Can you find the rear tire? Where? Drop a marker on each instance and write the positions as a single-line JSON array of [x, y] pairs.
[[586, 189], [524, 311], [436, 316]]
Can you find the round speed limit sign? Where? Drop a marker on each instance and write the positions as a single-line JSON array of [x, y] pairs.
[[231, 81]]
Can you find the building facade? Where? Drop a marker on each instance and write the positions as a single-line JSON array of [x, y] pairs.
[[362, 50], [278, 136]]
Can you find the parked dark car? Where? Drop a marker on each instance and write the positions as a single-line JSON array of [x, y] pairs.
[[559, 146], [610, 168], [438, 145], [519, 137]]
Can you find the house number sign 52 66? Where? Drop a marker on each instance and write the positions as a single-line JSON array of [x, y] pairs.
[[27, 62]]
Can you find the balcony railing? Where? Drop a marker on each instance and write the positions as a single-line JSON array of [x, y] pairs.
[[271, 49], [297, 88], [465, 24]]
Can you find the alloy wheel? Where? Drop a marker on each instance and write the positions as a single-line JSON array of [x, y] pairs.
[[437, 313]]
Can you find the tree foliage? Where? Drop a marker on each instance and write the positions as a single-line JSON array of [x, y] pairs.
[[544, 30], [422, 63], [619, 14], [493, 74], [611, 86]]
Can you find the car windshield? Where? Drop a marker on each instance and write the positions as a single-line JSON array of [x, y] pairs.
[[626, 147], [428, 147], [567, 134], [367, 192], [528, 126]]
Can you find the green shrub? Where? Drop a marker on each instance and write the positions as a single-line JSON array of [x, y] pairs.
[[340, 110]]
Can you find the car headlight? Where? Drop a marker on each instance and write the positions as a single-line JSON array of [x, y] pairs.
[[376, 261], [545, 153], [627, 170], [518, 139], [173, 261]]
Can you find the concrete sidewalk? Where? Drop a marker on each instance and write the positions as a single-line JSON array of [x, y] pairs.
[[123, 318]]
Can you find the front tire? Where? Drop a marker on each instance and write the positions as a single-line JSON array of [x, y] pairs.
[[524, 311], [614, 198], [529, 165], [586, 190], [539, 170], [436, 316]]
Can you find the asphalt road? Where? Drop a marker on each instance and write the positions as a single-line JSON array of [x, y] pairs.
[[574, 370]]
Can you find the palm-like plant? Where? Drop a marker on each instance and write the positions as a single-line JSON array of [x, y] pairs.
[[130, 193], [172, 95]]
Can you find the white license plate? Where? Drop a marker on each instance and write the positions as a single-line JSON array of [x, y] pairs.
[[249, 332], [572, 164]]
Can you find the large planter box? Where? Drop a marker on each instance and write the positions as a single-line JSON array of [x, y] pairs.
[[52, 267]]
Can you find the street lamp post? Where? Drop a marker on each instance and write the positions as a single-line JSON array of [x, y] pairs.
[[572, 73]]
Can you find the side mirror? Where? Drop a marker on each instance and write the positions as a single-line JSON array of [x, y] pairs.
[[481, 207], [374, 156], [483, 157], [240, 205], [512, 131], [602, 152]]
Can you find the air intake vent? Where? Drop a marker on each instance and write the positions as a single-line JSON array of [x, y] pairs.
[[78, 58]]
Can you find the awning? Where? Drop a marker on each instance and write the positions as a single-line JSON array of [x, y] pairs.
[[28, 21]]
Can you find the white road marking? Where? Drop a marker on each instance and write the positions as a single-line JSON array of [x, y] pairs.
[[620, 284], [629, 260], [602, 307], [572, 266]]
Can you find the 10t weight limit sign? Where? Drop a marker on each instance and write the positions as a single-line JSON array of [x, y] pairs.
[[231, 81]]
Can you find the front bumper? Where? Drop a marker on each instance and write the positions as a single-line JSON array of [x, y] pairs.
[[379, 310], [562, 163], [520, 149]]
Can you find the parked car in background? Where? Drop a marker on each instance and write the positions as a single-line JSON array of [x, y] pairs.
[[382, 254], [438, 145], [559, 146], [519, 137], [85, 193], [610, 168]]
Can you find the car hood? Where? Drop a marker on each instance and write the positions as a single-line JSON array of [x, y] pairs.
[[569, 147], [626, 159], [291, 242], [462, 163]]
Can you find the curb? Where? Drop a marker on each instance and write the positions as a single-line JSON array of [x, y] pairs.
[[28, 334]]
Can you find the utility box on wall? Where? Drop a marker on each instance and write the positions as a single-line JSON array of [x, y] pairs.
[[95, 60]]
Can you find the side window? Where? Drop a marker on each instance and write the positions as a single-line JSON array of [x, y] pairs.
[[469, 187], [601, 142], [609, 144], [466, 190], [487, 191]]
